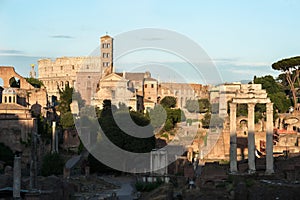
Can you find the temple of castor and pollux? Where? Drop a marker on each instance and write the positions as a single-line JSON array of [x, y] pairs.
[[251, 94]]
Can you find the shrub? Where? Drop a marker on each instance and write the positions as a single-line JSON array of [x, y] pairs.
[[53, 164], [6, 154]]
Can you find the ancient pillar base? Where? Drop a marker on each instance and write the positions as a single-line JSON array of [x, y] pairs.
[[251, 171], [233, 173], [269, 172]]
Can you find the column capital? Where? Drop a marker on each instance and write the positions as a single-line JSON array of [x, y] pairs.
[[232, 105], [270, 105], [251, 105]]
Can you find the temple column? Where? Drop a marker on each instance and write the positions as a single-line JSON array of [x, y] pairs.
[[233, 146], [269, 139], [53, 137], [17, 177], [251, 138]]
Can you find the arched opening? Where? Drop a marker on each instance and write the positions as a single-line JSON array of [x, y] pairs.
[[5, 100], [1, 82], [14, 82], [9, 99], [1, 88], [244, 126]]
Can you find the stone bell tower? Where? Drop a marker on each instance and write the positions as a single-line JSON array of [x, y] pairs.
[[106, 54]]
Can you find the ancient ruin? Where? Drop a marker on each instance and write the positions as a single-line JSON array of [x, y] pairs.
[[251, 94]]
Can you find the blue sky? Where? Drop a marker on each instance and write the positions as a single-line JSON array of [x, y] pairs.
[[243, 38]]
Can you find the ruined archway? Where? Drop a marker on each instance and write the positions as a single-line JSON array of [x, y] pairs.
[[7, 72], [251, 94], [1, 89]]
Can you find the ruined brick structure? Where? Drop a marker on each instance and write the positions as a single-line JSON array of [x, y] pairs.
[[18, 99]]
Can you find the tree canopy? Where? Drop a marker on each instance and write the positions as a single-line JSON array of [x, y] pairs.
[[290, 67], [275, 91], [35, 82], [168, 102], [200, 105], [120, 138]]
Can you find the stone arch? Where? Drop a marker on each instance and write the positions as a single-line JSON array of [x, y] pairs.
[[1, 89], [7, 72], [1, 82]]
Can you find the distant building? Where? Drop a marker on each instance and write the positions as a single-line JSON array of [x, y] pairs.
[[136, 90], [82, 73], [183, 92], [95, 79]]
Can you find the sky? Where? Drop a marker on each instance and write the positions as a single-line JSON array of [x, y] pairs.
[[242, 38]]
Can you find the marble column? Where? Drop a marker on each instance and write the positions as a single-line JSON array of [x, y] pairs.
[[251, 138], [233, 146], [17, 178], [269, 139], [33, 162], [53, 137]]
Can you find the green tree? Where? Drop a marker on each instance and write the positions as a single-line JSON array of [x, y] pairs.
[[168, 102], [53, 164], [119, 135], [206, 120], [66, 120], [212, 120], [268, 83], [204, 105], [6, 155], [275, 91], [35, 82], [290, 67], [65, 99]]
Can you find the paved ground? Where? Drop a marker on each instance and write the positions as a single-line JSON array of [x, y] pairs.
[[126, 191]]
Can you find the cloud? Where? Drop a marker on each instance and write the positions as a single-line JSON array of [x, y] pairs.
[[239, 62], [10, 52], [62, 36]]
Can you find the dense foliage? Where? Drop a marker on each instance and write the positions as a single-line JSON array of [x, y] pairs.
[[290, 68], [67, 95], [53, 164], [276, 93], [168, 102], [117, 133], [35, 82], [199, 106], [6, 155], [212, 121]]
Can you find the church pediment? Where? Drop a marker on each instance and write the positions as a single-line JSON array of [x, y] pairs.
[[113, 77]]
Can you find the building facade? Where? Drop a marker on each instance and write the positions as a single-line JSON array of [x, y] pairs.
[[82, 73], [183, 92]]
